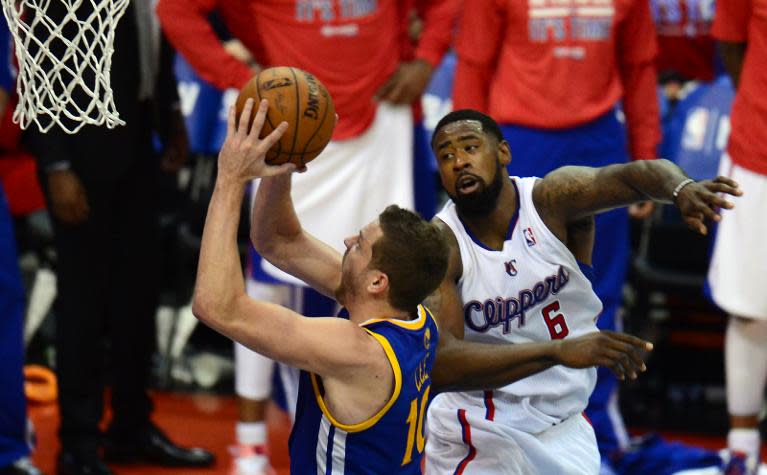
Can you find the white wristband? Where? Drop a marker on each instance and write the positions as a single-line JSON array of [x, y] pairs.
[[679, 187]]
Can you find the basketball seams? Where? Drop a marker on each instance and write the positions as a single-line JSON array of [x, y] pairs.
[[297, 117], [268, 120], [314, 134], [274, 84]]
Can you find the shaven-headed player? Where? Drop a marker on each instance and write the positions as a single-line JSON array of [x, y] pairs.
[[519, 272], [366, 381]]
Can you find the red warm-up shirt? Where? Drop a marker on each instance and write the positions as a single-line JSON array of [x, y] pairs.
[[352, 46], [684, 37], [746, 21], [560, 63]]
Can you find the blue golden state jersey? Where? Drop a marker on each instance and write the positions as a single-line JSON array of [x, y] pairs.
[[390, 442]]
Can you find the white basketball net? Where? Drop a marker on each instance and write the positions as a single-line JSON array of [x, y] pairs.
[[64, 63]]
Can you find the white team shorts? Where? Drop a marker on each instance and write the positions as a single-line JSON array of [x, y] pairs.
[[739, 262], [469, 444], [353, 180], [252, 371]]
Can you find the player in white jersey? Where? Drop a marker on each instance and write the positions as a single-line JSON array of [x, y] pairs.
[[519, 272]]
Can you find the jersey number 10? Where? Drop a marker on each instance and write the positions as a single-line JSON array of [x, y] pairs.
[[415, 426]]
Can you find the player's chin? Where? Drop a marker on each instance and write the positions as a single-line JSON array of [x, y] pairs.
[[469, 195]]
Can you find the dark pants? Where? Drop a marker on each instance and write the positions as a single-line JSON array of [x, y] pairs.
[[13, 407], [107, 297]]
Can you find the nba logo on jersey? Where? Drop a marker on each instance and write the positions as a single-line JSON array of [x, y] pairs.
[[529, 236], [511, 267]]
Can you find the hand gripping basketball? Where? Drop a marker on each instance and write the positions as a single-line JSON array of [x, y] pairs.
[[243, 155], [299, 98]]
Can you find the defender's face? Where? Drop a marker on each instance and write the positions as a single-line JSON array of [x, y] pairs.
[[359, 253], [467, 158]]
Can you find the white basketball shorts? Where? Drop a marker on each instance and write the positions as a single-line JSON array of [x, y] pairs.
[[252, 371], [460, 442], [739, 262]]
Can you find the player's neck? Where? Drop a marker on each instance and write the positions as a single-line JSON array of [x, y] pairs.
[[493, 227], [362, 311]]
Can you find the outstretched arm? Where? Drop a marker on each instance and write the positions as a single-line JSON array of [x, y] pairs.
[[327, 346], [465, 366], [571, 193]]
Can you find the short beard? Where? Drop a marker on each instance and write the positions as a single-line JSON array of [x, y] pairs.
[[484, 201], [344, 291]]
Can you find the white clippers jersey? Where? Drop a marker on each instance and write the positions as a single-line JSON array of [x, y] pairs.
[[533, 290]]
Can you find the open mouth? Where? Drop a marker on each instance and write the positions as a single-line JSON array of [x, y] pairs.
[[467, 184]]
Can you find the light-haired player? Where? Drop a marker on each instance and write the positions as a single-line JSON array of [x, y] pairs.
[[360, 50], [519, 272]]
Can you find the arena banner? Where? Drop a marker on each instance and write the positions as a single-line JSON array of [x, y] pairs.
[[696, 133]]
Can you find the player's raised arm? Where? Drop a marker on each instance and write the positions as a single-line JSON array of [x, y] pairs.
[[327, 346], [571, 193], [277, 235]]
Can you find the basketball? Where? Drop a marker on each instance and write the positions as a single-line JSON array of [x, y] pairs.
[[298, 98]]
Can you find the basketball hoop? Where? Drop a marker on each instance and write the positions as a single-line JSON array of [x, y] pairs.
[[64, 49]]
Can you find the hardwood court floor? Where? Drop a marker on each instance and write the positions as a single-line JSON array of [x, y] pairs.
[[208, 421]]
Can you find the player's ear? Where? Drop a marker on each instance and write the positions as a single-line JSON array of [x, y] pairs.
[[504, 153], [378, 282]]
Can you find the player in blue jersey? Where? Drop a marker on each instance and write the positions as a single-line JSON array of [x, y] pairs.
[[366, 381], [368, 375]]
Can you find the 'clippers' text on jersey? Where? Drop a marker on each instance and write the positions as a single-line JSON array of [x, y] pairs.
[[480, 316], [531, 290]]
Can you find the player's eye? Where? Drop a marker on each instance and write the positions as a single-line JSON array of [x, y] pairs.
[[446, 156], [471, 148]]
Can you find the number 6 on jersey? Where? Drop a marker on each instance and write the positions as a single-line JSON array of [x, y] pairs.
[[557, 324]]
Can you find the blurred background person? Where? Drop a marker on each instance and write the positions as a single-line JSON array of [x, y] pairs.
[[15, 439], [686, 49], [363, 54], [100, 186], [740, 257]]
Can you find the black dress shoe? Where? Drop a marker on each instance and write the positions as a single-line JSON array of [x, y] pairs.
[[72, 464], [151, 446]]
